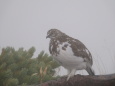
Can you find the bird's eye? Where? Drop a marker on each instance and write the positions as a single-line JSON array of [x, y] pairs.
[[52, 33]]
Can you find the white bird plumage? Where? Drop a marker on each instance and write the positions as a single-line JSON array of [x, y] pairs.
[[69, 52]]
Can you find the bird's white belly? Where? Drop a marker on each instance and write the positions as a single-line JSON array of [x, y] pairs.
[[67, 59]]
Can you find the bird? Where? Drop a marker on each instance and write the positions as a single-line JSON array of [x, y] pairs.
[[69, 52]]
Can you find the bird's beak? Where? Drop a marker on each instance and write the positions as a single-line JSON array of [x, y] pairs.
[[47, 36]]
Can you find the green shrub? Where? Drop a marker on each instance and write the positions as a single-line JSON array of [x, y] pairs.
[[18, 67]]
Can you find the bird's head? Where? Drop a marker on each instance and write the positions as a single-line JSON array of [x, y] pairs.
[[53, 33]]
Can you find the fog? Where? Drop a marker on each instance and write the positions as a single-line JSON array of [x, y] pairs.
[[24, 23]]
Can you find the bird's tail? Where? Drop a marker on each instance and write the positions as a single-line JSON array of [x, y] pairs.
[[90, 71]]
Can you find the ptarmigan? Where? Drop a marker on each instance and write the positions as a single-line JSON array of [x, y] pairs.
[[69, 52]]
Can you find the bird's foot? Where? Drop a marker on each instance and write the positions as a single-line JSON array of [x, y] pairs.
[[64, 76]]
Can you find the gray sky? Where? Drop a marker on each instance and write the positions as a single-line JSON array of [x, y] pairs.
[[24, 23]]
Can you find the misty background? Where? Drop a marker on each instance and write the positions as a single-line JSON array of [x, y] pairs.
[[24, 23]]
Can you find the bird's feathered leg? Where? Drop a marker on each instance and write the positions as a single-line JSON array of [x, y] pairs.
[[71, 74], [68, 72]]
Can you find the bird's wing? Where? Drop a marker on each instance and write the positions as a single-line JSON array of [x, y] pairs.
[[80, 50]]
